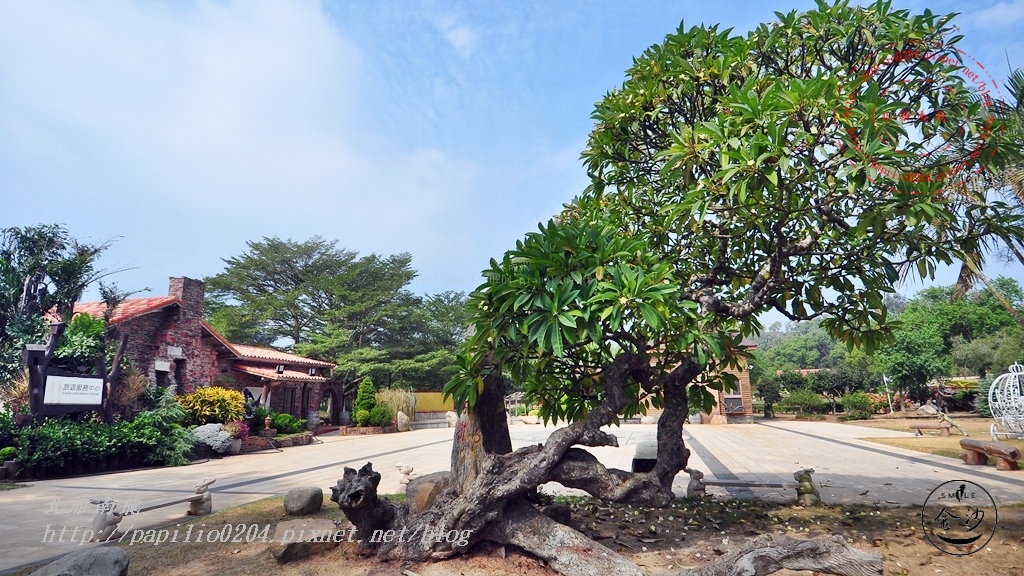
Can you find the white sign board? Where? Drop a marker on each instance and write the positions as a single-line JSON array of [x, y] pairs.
[[77, 390]]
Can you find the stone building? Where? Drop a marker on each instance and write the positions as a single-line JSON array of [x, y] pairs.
[[169, 341]]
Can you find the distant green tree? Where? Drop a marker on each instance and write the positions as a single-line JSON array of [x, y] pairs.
[[770, 392], [915, 356], [281, 288]]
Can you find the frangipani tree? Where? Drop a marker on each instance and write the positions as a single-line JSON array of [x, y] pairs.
[[730, 175]]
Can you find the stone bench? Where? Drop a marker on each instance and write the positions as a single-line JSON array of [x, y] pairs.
[[976, 453], [806, 492], [645, 457], [104, 524], [942, 428]]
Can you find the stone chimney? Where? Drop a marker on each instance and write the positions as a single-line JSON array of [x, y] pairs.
[[190, 292]]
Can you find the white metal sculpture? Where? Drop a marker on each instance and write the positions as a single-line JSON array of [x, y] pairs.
[[1006, 401]]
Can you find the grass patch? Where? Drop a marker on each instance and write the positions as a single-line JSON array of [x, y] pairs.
[[939, 446], [11, 485], [931, 443]]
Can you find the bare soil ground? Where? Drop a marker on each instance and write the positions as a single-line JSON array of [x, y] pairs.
[[661, 541]]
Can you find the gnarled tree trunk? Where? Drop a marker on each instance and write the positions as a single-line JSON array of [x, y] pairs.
[[484, 496]]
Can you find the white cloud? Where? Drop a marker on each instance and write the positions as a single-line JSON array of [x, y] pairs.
[[1004, 14], [461, 37], [189, 131]]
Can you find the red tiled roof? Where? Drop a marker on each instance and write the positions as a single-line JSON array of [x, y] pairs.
[[128, 309], [216, 335], [270, 372], [247, 352]]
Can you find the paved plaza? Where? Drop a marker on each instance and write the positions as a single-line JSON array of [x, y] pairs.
[[847, 470]]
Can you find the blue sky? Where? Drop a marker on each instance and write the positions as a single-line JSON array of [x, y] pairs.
[[444, 129]]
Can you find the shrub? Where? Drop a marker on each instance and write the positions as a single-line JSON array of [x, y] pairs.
[[212, 404], [127, 394], [857, 402], [398, 400], [380, 416], [259, 418], [286, 423], [362, 417], [8, 453], [153, 437], [8, 429], [14, 394], [237, 429], [804, 401], [214, 436], [366, 397], [81, 341], [855, 415]]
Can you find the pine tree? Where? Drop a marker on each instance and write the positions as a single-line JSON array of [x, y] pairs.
[[366, 397]]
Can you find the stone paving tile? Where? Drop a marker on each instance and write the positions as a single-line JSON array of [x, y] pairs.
[[845, 467]]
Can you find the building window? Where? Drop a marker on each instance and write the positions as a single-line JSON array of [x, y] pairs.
[[734, 405], [289, 401]]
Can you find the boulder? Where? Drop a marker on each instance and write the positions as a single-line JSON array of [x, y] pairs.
[[98, 561], [529, 419], [452, 418], [648, 419], [402, 421], [421, 491], [718, 419], [303, 501], [927, 410], [298, 539]]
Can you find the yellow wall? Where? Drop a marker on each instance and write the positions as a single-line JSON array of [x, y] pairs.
[[431, 402]]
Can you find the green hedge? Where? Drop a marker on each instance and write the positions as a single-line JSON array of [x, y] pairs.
[[803, 401], [61, 446]]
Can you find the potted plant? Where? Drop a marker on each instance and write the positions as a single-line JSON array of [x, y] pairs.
[[239, 431]]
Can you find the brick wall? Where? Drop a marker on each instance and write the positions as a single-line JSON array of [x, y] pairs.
[[150, 336]]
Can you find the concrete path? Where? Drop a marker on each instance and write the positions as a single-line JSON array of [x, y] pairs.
[[846, 468]]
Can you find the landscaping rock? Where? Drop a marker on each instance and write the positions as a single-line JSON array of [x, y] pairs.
[[452, 418], [421, 491], [648, 419], [402, 422], [303, 501], [927, 410], [529, 419], [98, 561], [298, 539]]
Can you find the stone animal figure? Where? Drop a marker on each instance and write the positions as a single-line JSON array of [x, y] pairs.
[[356, 495], [105, 522], [695, 488], [203, 506], [806, 492]]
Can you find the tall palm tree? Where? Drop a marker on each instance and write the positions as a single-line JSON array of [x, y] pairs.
[[987, 233]]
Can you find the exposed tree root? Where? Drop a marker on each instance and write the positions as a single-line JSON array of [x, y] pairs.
[[768, 554], [564, 549]]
